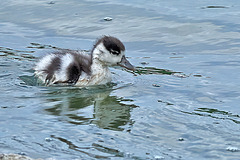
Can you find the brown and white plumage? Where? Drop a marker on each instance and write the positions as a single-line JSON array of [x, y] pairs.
[[82, 69]]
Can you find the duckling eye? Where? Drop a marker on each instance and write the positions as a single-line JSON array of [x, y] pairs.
[[115, 52], [101, 51]]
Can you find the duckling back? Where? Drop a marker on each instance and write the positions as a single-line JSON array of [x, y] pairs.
[[63, 67]]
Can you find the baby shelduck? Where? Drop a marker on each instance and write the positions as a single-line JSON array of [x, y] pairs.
[[82, 69]]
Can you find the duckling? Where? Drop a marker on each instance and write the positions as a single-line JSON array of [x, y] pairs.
[[82, 69]]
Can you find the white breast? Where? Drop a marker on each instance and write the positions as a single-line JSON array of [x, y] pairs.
[[100, 75]]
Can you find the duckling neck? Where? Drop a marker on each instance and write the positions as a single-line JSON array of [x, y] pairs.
[[98, 67], [100, 72]]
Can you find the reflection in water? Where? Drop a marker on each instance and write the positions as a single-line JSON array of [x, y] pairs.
[[214, 7], [152, 70], [96, 146], [157, 71], [90, 106], [216, 114], [41, 46], [48, 46], [16, 54], [30, 80]]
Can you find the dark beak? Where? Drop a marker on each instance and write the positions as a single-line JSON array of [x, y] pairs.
[[126, 64]]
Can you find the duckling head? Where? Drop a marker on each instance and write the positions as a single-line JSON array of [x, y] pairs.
[[110, 51]]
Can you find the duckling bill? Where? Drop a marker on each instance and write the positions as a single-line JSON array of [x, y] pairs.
[[82, 69]]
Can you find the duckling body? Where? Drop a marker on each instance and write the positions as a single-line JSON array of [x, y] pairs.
[[82, 69]]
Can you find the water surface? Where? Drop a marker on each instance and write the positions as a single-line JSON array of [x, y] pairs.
[[181, 103]]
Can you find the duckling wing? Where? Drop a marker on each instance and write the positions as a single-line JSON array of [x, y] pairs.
[[63, 67]]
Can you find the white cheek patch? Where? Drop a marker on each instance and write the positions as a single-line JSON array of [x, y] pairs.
[[102, 49], [106, 57], [113, 59]]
